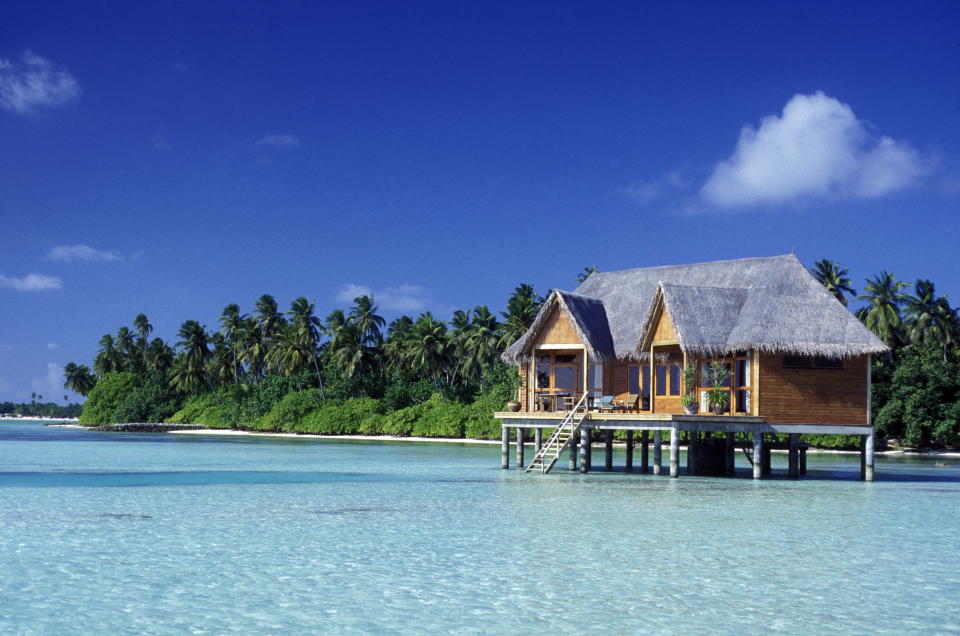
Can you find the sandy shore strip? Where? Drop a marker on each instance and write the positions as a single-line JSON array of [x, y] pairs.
[[363, 438], [464, 440]]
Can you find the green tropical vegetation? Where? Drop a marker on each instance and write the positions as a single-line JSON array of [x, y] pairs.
[[352, 373], [916, 389]]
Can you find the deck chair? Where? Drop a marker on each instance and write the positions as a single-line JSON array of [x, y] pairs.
[[606, 403], [630, 401]]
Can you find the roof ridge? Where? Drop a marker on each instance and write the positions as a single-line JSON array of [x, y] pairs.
[[727, 260]]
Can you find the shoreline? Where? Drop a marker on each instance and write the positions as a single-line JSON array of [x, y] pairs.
[[464, 440]]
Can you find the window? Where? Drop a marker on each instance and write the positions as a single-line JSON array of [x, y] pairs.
[[674, 379], [737, 381], [661, 379], [811, 362], [595, 380], [633, 379]]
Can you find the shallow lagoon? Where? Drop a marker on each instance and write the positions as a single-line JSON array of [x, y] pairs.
[[133, 533]]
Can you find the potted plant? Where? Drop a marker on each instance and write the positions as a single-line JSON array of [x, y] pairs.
[[516, 382], [717, 393], [690, 406]]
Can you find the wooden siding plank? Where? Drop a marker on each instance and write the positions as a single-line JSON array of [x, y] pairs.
[[813, 396]]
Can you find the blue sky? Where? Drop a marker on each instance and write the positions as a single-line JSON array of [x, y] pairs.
[[171, 159]]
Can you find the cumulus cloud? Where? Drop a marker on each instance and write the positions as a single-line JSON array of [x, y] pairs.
[[31, 282], [279, 141], [50, 386], [70, 253], [817, 148], [399, 298], [33, 81]]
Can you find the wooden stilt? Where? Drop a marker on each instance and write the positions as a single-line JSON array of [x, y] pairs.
[[629, 463], [608, 450], [520, 432], [758, 455], [803, 460], [504, 448], [644, 451], [863, 457], [537, 440], [675, 452], [767, 463], [657, 453], [584, 450], [793, 460]]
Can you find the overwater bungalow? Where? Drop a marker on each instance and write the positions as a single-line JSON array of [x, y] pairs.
[[758, 346]]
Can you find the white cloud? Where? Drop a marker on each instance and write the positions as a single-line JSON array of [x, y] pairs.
[[31, 282], [33, 81], [279, 141], [817, 148], [399, 298], [52, 345], [51, 385], [70, 253], [645, 192]]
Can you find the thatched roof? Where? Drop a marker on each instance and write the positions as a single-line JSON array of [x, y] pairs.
[[770, 304], [589, 320]]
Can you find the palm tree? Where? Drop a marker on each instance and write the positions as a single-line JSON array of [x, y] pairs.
[[191, 372], [144, 328], [253, 348], [125, 344], [106, 360], [929, 320], [394, 347], [428, 347], [306, 331], [363, 314], [522, 309], [834, 278], [160, 357], [233, 323], [882, 314], [482, 343], [223, 365], [585, 274], [288, 355], [78, 378]]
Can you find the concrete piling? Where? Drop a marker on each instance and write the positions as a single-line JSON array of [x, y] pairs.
[[520, 463], [629, 463], [758, 455], [729, 456], [868, 457], [644, 451], [572, 461], [537, 440], [657, 453], [584, 450], [675, 452], [504, 448], [608, 450], [793, 460]]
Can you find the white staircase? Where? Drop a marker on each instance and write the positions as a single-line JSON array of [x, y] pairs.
[[551, 450]]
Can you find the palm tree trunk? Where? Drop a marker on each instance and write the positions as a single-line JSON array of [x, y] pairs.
[[319, 378]]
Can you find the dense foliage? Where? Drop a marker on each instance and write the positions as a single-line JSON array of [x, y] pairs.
[[36, 408], [353, 373], [276, 371]]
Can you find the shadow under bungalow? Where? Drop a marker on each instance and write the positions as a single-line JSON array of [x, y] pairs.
[[614, 355]]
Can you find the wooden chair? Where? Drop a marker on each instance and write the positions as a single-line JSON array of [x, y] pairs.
[[630, 402]]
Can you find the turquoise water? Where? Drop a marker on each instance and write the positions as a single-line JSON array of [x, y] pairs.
[[137, 533]]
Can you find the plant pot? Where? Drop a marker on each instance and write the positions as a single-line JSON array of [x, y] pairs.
[[691, 409], [717, 408], [513, 407]]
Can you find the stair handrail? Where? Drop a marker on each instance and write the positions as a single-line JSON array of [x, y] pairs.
[[555, 436]]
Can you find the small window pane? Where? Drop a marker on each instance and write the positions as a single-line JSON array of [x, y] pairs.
[[565, 377], [743, 401], [543, 376], [674, 379], [633, 384], [822, 362], [742, 370], [661, 379], [703, 402], [543, 358], [566, 359], [645, 374], [797, 362]]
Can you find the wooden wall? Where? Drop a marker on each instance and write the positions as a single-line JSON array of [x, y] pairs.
[[616, 377], [557, 330], [665, 329], [812, 396], [524, 382]]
